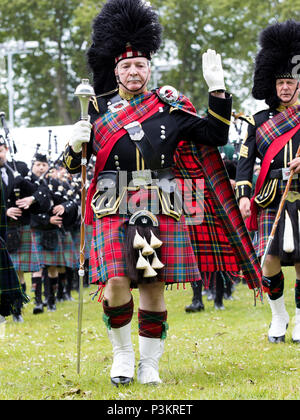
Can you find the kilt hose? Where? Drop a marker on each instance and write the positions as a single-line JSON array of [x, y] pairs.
[[55, 257], [107, 257], [26, 257]]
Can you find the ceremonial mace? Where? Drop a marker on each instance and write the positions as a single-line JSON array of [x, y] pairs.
[[84, 92], [280, 208]]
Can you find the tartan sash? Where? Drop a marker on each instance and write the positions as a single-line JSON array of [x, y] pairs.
[[108, 130], [281, 128], [276, 127], [194, 160]]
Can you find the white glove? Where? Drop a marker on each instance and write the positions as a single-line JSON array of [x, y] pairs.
[[81, 133], [213, 71]]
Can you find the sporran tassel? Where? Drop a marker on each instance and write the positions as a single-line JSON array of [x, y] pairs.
[[156, 263], [142, 239], [142, 263]]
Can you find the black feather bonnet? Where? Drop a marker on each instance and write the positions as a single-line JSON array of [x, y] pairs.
[[280, 46], [121, 23]]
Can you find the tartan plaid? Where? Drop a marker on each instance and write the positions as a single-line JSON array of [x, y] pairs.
[[152, 324], [107, 258], [266, 218], [75, 233], [11, 292], [278, 125], [70, 255], [26, 257], [117, 316], [109, 123], [199, 161], [49, 258]]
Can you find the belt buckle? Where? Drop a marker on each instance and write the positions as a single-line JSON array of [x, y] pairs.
[[140, 178], [286, 174]]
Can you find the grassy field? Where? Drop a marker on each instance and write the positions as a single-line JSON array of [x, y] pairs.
[[212, 355]]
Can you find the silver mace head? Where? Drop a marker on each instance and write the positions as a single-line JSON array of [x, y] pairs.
[[84, 91]]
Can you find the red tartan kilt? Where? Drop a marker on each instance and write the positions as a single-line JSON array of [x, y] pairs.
[[212, 248], [107, 257]]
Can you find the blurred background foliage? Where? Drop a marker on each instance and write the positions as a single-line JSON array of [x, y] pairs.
[[44, 79]]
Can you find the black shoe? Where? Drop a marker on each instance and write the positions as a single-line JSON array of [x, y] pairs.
[[210, 295], [38, 309], [18, 318], [276, 339], [68, 296], [195, 306], [219, 306], [121, 380], [51, 307]]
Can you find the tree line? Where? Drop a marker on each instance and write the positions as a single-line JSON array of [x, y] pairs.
[[45, 79]]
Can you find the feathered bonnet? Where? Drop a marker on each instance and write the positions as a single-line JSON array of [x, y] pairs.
[[280, 43], [122, 29]]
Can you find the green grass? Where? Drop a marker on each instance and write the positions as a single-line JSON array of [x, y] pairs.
[[213, 355]]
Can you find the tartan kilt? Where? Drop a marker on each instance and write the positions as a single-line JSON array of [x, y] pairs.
[[50, 258], [266, 219], [210, 243], [107, 257], [88, 240], [70, 252], [26, 257], [11, 292], [75, 233]]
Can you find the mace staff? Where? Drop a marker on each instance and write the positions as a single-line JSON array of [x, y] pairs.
[[280, 208], [84, 92]]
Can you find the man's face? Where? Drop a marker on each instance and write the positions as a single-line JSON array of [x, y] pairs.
[[3, 152], [134, 74], [287, 91], [39, 168]]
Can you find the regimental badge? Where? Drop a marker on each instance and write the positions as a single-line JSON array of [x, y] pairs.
[[168, 94], [117, 106]]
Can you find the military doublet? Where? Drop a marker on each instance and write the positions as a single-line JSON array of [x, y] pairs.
[[250, 150]]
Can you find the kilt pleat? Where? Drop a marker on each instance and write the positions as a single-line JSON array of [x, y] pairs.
[[107, 257], [210, 243], [69, 251], [54, 258], [26, 257]]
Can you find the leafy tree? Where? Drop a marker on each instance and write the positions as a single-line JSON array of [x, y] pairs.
[[45, 79]]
